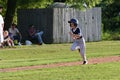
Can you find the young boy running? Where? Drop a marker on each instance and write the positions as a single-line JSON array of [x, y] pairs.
[[78, 39]]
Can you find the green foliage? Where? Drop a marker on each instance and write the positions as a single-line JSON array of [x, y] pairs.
[[33, 4], [3, 3], [82, 4], [106, 36], [110, 15], [110, 19], [111, 36]]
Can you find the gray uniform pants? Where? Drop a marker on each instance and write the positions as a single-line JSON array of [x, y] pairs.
[[80, 44]]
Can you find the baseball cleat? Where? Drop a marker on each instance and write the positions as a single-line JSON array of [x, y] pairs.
[[85, 62]]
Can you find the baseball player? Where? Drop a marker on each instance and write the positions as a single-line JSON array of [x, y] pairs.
[[78, 39]]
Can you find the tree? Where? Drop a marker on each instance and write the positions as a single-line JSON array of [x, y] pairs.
[[11, 6], [110, 15]]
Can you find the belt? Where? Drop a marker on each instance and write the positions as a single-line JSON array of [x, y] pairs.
[[79, 37]]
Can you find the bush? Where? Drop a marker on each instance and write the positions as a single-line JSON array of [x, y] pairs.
[[111, 36], [106, 36]]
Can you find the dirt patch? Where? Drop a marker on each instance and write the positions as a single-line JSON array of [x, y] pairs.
[[91, 61]]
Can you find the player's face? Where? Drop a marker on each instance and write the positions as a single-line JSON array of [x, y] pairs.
[[72, 25], [13, 27], [1, 10]]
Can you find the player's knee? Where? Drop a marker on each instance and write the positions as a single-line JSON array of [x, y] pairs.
[[72, 49]]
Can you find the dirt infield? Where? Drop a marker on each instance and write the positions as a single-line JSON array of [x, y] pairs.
[[91, 61]]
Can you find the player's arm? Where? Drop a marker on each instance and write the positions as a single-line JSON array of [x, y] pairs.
[[77, 36], [72, 35]]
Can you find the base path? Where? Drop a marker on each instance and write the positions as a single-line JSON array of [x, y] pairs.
[[91, 61]]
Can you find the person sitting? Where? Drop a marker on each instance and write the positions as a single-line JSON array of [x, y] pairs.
[[15, 34], [35, 34], [7, 40]]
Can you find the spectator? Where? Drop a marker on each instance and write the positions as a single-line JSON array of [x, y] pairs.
[[1, 27], [7, 40], [35, 34], [15, 34]]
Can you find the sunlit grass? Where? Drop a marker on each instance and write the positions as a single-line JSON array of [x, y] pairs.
[[54, 53]]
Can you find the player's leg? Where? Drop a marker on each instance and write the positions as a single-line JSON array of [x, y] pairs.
[[83, 51], [74, 46]]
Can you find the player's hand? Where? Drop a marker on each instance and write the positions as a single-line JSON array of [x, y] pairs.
[[71, 33], [74, 37]]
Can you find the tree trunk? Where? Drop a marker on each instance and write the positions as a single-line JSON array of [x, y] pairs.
[[11, 6]]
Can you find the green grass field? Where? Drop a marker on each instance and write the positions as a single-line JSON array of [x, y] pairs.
[[54, 53]]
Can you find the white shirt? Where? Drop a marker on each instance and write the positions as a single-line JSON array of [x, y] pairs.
[[13, 32], [1, 22], [1, 29]]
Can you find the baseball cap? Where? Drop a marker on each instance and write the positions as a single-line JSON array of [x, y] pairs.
[[73, 20]]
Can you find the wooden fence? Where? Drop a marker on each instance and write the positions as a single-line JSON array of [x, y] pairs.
[[54, 23]]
